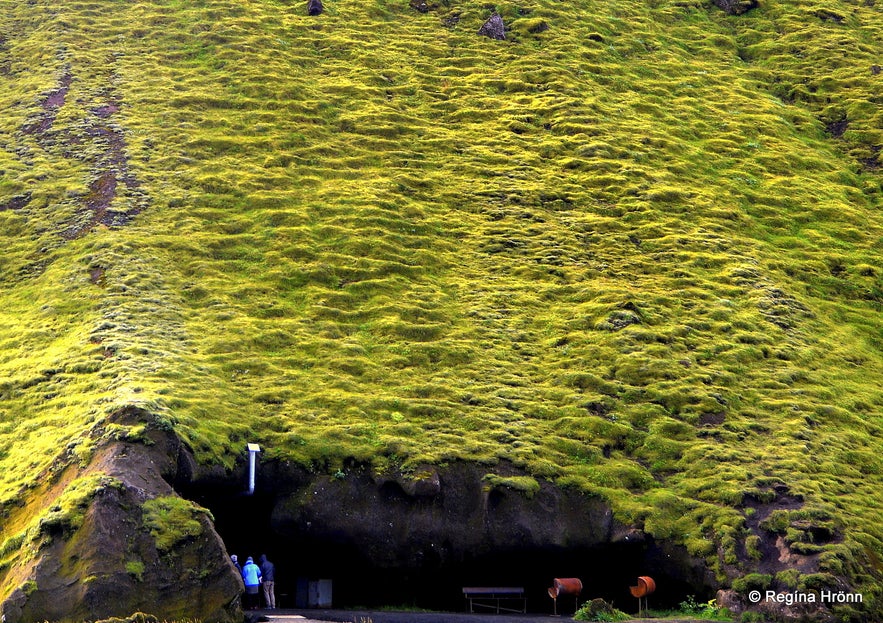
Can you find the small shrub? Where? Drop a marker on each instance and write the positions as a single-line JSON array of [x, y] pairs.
[[708, 611], [599, 610]]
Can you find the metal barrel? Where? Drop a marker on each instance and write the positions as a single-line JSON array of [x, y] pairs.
[[567, 586], [646, 585]]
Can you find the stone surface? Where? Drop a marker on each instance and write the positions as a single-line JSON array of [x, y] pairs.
[[110, 565], [391, 518], [493, 27], [736, 7]]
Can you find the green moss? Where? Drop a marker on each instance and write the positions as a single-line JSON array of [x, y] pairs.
[[525, 484], [788, 579], [752, 547], [67, 513], [752, 581], [172, 520], [818, 582], [135, 568], [633, 253]]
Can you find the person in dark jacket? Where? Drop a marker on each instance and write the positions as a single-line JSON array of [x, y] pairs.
[[268, 571], [251, 576], [235, 559]]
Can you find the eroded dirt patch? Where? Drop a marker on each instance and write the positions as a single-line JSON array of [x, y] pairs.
[[776, 554], [113, 196], [111, 167], [16, 203], [51, 104]]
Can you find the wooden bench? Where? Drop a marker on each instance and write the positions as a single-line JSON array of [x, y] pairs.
[[495, 598]]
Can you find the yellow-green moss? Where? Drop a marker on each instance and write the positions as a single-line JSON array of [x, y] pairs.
[[631, 253], [525, 484], [171, 520]]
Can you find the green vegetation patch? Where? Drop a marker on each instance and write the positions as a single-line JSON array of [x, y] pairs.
[[525, 484], [68, 512], [172, 520]]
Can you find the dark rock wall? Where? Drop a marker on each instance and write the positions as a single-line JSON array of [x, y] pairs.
[[417, 539], [462, 518]]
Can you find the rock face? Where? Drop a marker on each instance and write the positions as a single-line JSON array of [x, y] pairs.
[[401, 522], [493, 27], [113, 561], [421, 536]]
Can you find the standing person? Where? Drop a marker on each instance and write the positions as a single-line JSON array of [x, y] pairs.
[[268, 573], [235, 559], [251, 575]]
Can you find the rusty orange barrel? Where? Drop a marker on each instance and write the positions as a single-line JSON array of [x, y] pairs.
[[645, 586], [567, 586]]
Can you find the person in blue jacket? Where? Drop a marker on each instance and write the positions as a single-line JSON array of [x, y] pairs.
[[251, 575]]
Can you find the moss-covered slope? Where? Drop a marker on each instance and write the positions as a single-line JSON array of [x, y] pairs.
[[634, 249]]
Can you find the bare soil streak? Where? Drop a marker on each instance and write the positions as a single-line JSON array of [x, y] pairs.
[[5, 63], [54, 100], [16, 203], [111, 168]]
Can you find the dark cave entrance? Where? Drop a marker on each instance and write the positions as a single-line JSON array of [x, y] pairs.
[[245, 523]]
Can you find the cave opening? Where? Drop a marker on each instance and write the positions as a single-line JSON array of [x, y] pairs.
[[434, 575]]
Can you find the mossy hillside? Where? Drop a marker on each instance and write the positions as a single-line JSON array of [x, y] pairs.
[[634, 253]]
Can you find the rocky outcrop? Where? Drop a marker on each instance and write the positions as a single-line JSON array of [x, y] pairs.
[[493, 27], [424, 532], [736, 7], [108, 555], [398, 521], [422, 5]]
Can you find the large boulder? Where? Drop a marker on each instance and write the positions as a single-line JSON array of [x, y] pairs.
[[118, 540], [493, 27]]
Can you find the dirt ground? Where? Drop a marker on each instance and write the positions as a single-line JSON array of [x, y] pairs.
[[368, 616]]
